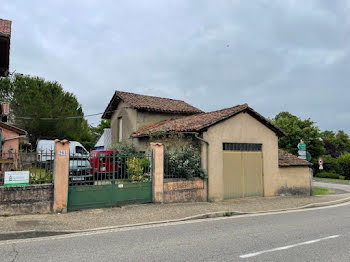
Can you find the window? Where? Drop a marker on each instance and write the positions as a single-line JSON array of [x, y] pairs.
[[241, 147], [120, 129], [80, 150]]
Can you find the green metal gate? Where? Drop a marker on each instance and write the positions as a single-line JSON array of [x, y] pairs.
[[106, 179]]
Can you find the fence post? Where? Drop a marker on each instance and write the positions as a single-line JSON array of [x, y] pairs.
[[61, 171], [158, 172]]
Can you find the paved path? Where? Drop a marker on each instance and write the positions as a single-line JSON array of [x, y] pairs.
[[309, 235], [333, 186], [107, 217]]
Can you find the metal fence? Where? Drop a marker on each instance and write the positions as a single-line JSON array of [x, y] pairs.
[[103, 168], [39, 165]]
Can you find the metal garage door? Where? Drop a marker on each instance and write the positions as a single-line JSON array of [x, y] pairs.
[[242, 170]]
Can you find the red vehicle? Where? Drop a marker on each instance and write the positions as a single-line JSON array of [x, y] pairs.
[[102, 163]]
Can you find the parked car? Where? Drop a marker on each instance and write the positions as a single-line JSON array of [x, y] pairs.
[[80, 172], [45, 150], [102, 163]]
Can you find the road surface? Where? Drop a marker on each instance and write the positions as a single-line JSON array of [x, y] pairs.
[[321, 234]]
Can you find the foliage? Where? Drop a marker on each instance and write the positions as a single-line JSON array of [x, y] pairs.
[[125, 149], [184, 162], [327, 175], [344, 165], [330, 164], [98, 130], [336, 143], [299, 129], [138, 169], [35, 98]]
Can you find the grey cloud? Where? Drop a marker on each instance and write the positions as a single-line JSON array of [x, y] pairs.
[[275, 55]]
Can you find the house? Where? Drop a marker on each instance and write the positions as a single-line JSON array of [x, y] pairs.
[[10, 137], [129, 112], [239, 147], [5, 37], [105, 140]]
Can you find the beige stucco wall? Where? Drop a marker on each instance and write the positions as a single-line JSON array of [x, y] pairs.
[[241, 129], [295, 180], [129, 116]]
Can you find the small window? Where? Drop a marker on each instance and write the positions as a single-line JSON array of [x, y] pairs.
[[241, 147], [80, 150], [120, 129]]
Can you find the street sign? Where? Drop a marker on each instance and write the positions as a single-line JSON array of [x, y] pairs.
[[320, 163], [16, 178], [302, 146], [302, 153]]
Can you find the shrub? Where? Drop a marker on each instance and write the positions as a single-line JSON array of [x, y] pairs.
[[184, 163], [327, 175], [138, 169], [330, 164], [125, 149], [344, 165]]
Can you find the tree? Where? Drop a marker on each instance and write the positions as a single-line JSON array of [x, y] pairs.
[[299, 129], [336, 143], [344, 165], [45, 110]]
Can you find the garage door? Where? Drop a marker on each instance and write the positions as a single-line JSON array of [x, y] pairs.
[[242, 170]]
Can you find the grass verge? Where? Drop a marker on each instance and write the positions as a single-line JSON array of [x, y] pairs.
[[339, 181], [320, 191]]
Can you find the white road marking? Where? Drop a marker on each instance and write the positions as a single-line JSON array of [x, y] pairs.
[[287, 247]]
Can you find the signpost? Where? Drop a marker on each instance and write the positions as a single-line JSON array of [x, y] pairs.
[[302, 150], [16, 178], [320, 163]]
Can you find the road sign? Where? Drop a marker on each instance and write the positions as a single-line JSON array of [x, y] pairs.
[[302, 153], [302, 146], [16, 178], [320, 163]]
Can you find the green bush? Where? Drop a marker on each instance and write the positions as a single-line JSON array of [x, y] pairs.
[[138, 169], [330, 164], [183, 163], [344, 165], [327, 175], [125, 149]]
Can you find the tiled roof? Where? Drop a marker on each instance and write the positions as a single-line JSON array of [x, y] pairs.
[[13, 128], [286, 159], [5, 27], [149, 103], [199, 122]]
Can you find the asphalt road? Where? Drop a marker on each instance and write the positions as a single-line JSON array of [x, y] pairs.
[[333, 186], [311, 235]]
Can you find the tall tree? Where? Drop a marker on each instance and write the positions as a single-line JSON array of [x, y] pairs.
[[45, 110], [297, 129]]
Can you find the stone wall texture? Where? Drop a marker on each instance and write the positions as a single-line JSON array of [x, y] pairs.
[[180, 190], [26, 199]]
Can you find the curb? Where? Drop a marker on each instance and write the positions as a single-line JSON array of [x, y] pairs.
[[36, 234]]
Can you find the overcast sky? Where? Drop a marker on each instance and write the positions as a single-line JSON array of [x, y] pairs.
[[275, 55]]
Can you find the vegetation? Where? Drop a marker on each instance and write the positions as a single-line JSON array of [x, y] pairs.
[[333, 147], [138, 169], [184, 162], [344, 165], [327, 175], [320, 191], [45, 110]]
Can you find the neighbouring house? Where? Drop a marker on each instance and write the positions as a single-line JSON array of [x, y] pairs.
[[9, 145], [239, 147], [5, 37], [105, 140]]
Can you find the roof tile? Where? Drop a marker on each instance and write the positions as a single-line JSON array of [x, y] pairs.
[[198, 122], [5, 27], [150, 103], [286, 159]]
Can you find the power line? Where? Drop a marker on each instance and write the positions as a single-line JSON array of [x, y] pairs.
[[60, 118]]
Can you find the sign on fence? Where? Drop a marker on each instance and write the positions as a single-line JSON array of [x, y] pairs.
[[16, 178]]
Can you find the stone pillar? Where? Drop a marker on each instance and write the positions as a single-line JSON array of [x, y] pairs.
[[158, 172], [61, 172]]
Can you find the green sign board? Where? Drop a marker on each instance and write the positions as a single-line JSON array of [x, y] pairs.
[[302, 146]]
